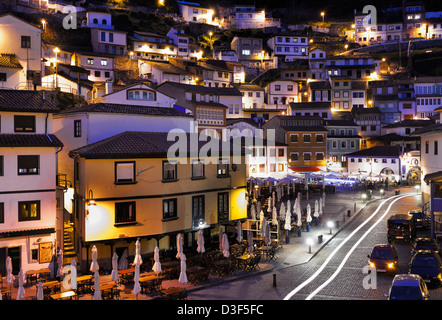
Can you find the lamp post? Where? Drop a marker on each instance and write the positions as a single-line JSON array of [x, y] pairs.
[[43, 22], [330, 225], [56, 50], [322, 15]]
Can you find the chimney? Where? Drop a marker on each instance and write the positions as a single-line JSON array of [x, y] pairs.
[[108, 87]]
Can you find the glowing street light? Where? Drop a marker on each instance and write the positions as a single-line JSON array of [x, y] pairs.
[[330, 225], [322, 15], [43, 22], [309, 242]]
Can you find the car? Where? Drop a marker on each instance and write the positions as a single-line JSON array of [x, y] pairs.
[[425, 244], [408, 287], [418, 216], [401, 227], [428, 265], [384, 258]]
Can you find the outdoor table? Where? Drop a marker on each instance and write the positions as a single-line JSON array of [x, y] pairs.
[[84, 283], [243, 260], [170, 269], [6, 293], [150, 283], [223, 267], [197, 274], [175, 293], [51, 287], [64, 295], [265, 250], [33, 275], [126, 275], [107, 290]]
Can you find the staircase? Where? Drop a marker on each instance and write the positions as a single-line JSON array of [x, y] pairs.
[[68, 244]]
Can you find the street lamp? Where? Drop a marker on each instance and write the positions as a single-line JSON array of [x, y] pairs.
[[330, 225], [56, 50], [43, 22], [322, 15], [309, 242]]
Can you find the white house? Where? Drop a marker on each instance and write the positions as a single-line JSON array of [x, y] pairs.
[[193, 12], [289, 47], [282, 92], [316, 61], [22, 39], [100, 66], [91, 123], [30, 229], [252, 95], [160, 72], [109, 41], [151, 46], [139, 94], [101, 20]]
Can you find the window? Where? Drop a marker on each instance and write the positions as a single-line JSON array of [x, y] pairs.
[[111, 37], [24, 123], [281, 152], [97, 73], [277, 87], [3, 76], [77, 128], [294, 156], [319, 138], [307, 138], [427, 146], [90, 61], [25, 41], [435, 148], [2, 212], [319, 156], [125, 172], [103, 36], [1, 166], [245, 52], [28, 210], [223, 168], [104, 62], [141, 95], [307, 156], [125, 212], [223, 207], [197, 169], [170, 209], [198, 211], [28, 165], [293, 138], [169, 171]]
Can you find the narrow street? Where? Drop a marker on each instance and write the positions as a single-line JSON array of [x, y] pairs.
[[337, 271]]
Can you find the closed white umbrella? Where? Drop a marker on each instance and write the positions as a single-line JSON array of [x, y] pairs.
[[94, 264], [9, 276], [250, 240], [282, 212], [137, 288], [274, 216], [309, 213], [239, 231], [320, 206], [263, 227], [183, 276], [298, 213], [267, 236], [97, 290], [73, 283], [40, 295], [316, 213], [253, 212], [123, 264], [157, 265], [60, 263], [21, 289], [323, 198], [137, 262], [261, 218], [258, 208], [226, 252], [200, 242], [220, 238], [114, 274], [288, 220], [179, 245]]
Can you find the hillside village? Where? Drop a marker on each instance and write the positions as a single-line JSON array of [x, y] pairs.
[[85, 114]]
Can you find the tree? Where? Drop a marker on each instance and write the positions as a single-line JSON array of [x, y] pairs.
[[207, 41]]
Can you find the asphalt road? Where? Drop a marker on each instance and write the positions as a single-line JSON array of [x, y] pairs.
[[338, 271]]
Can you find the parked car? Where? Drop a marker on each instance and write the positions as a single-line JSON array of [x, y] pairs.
[[401, 227], [418, 217], [425, 244], [428, 265], [408, 287], [384, 258]]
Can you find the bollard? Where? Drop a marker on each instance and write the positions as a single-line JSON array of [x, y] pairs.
[[320, 238], [274, 279], [287, 239], [337, 224], [349, 213]]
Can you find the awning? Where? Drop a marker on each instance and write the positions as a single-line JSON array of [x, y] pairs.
[[305, 169]]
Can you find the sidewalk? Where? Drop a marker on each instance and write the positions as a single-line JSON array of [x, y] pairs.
[[293, 253]]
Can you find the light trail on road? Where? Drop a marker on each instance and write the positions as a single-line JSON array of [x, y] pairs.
[[294, 291]]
